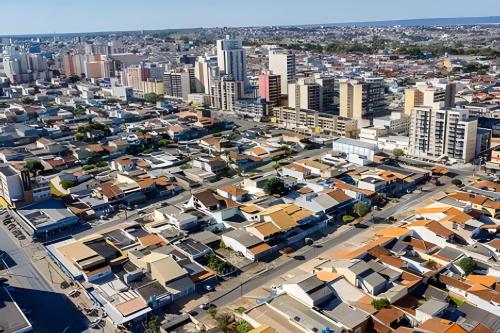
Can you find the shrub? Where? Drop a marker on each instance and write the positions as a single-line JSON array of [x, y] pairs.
[[347, 218], [88, 167], [243, 326], [66, 183], [101, 164], [274, 186], [456, 182]]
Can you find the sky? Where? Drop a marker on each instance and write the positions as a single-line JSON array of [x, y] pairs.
[[59, 16]]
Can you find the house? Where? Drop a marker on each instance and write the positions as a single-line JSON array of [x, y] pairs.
[[309, 290], [214, 205], [439, 325], [210, 164], [250, 246], [176, 216], [233, 192], [430, 309]]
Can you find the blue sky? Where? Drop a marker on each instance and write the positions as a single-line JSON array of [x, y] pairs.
[[48, 16]]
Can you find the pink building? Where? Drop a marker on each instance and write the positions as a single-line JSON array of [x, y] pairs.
[[270, 88]]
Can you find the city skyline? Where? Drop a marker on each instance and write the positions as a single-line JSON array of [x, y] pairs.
[[126, 16]]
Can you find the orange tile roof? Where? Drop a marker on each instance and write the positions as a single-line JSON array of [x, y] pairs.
[[233, 190], [437, 325], [151, 239], [261, 248], [486, 280]]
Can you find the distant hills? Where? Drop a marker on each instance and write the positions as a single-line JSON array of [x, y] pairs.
[[418, 22], [428, 22]]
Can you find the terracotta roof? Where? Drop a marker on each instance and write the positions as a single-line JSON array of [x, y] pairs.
[[389, 315], [261, 248], [267, 229], [486, 280], [297, 168], [481, 328], [339, 196], [437, 325], [495, 243], [468, 197], [421, 244], [487, 185], [448, 280], [207, 198], [95, 148], [233, 190], [250, 209], [151, 239]]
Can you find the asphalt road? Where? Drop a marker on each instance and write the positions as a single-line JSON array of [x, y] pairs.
[[49, 311]]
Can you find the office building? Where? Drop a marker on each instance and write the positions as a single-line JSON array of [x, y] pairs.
[[441, 133], [312, 121], [362, 99], [177, 85], [283, 64], [270, 88], [225, 91], [231, 59], [428, 93]]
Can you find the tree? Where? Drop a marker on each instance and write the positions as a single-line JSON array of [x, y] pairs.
[[223, 322], [34, 166], [397, 152], [456, 182], [88, 167], [66, 183], [243, 326], [467, 264], [381, 303], [79, 136], [153, 325], [101, 164], [152, 98], [361, 209], [164, 142], [276, 166], [274, 186]]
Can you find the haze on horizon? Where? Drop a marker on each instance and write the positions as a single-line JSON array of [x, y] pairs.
[[58, 16]]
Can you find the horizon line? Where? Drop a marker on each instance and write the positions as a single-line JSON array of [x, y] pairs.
[[52, 34]]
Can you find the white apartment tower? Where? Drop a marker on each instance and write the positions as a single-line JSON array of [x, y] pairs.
[[283, 64], [438, 133], [231, 59]]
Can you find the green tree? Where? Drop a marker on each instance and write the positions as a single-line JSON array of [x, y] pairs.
[[274, 186], [397, 152], [66, 183], [152, 98], [381, 303], [164, 142], [456, 182], [276, 166], [79, 136], [34, 166], [153, 325], [361, 209], [243, 326], [467, 264]]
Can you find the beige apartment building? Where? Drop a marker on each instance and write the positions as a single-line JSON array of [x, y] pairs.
[[362, 99], [311, 121], [426, 94]]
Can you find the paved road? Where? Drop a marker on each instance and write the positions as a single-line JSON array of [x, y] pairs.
[[51, 312]]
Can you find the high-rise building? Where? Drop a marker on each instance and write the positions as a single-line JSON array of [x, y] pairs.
[[205, 71], [98, 66], [362, 99], [231, 59], [437, 133], [283, 64], [73, 64], [138, 74], [23, 67], [427, 93], [270, 88], [305, 94], [177, 84], [327, 84], [224, 93]]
